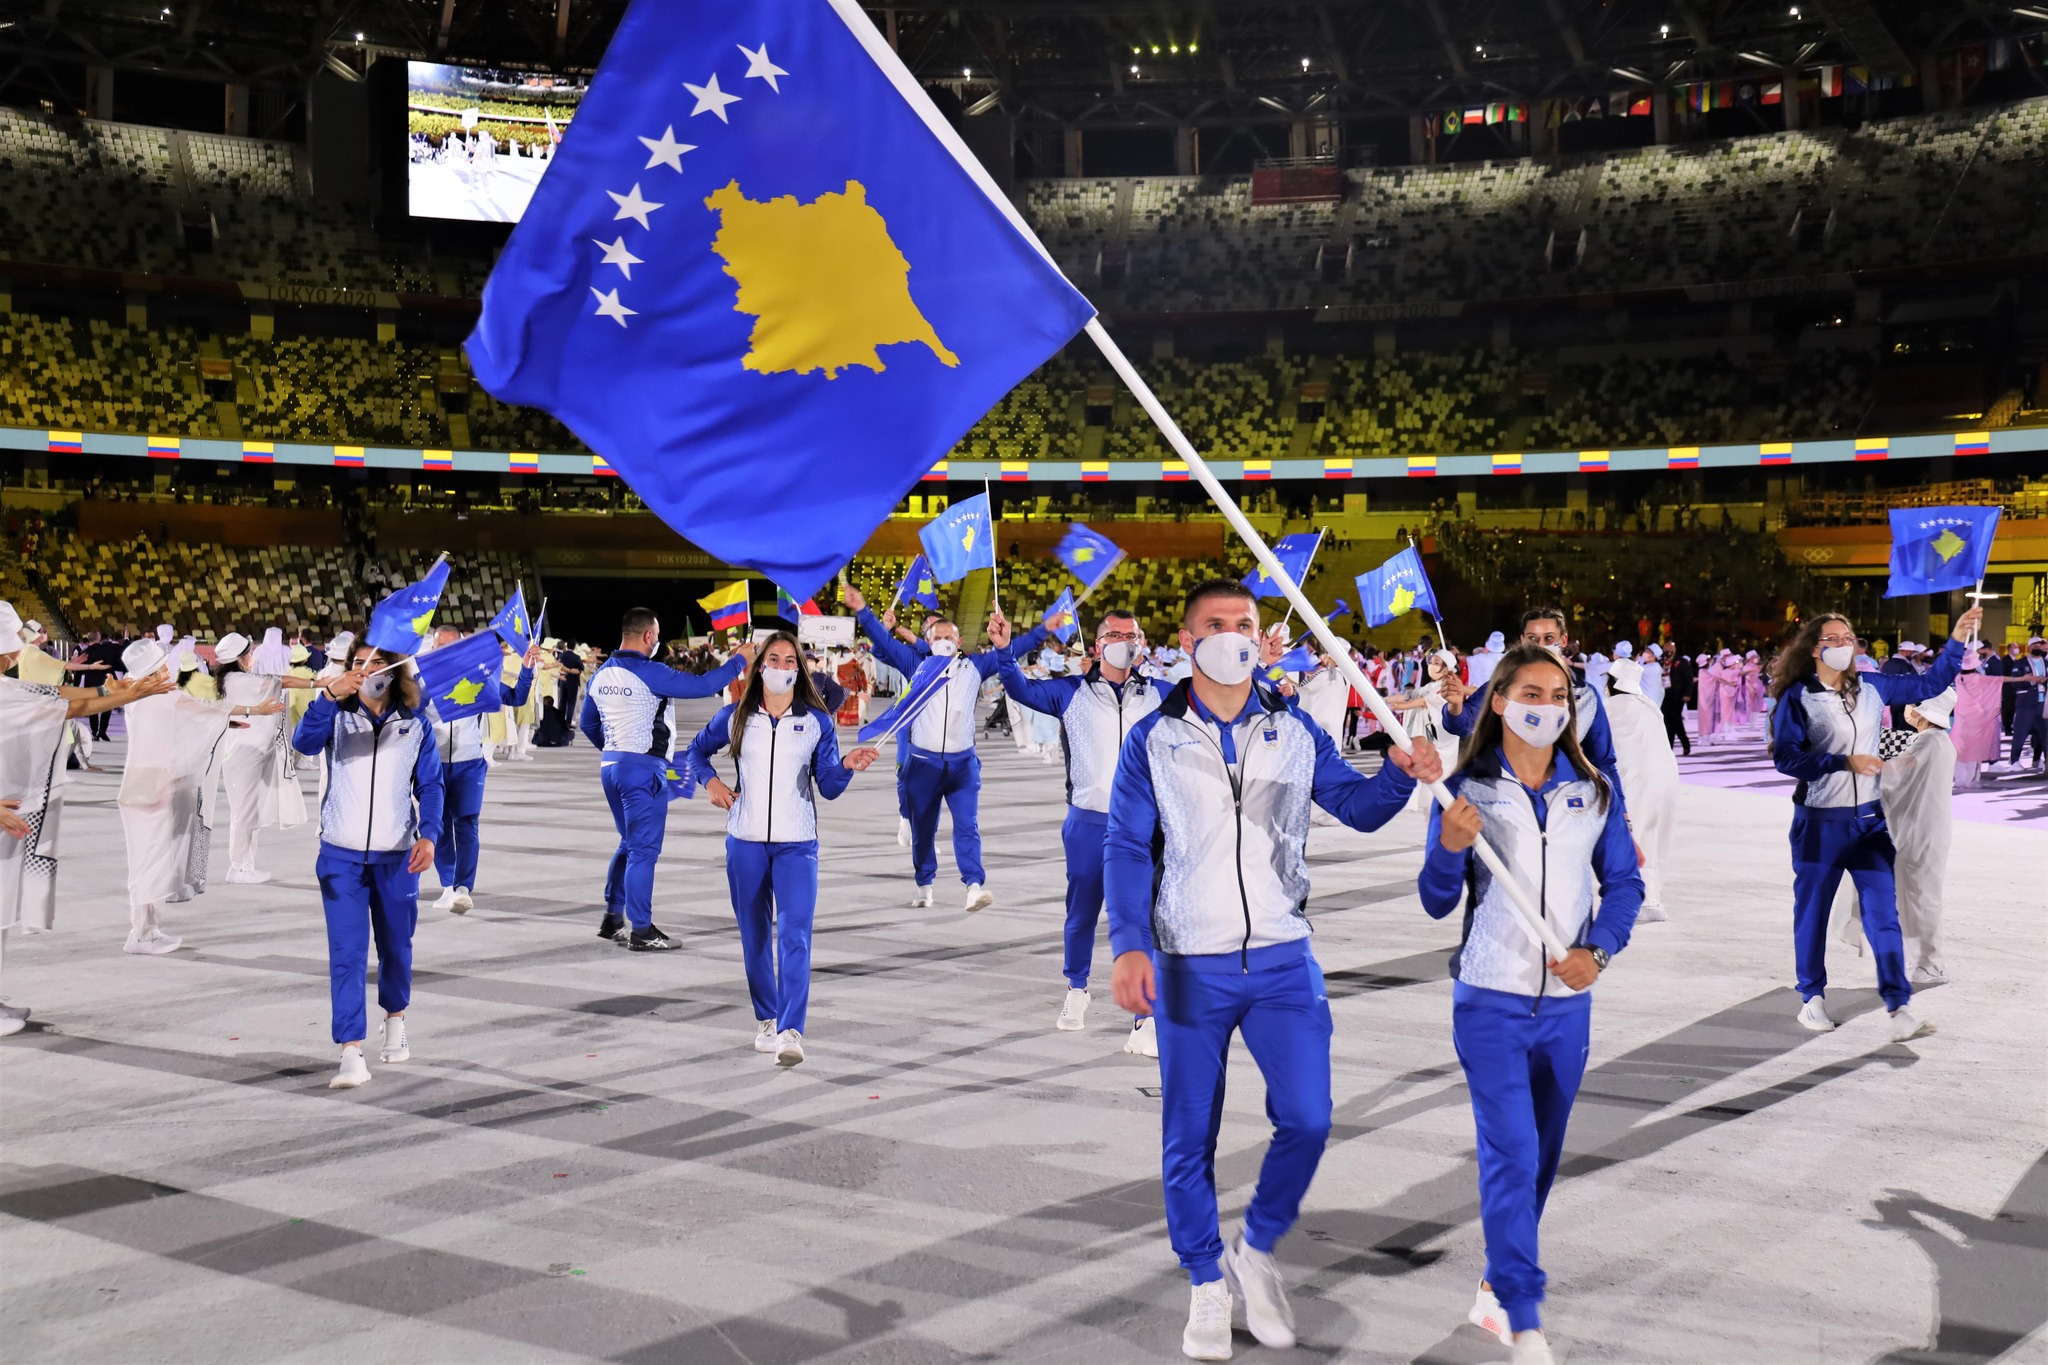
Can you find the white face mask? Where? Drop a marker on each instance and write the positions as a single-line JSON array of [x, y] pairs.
[[945, 648], [1537, 725], [1120, 653], [778, 680], [375, 688], [1227, 659], [1839, 657]]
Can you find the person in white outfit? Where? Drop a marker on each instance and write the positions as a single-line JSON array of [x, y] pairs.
[[1479, 665], [1649, 770], [261, 792], [1917, 791], [167, 788]]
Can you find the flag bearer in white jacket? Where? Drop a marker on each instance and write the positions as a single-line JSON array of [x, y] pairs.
[[1205, 873], [1521, 1022], [785, 755]]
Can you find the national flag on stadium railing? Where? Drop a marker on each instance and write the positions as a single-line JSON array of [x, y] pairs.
[[1088, 554], [399, 624], [730, 607], [1061, 618], [1294, 553], [919, 584], [512, 623], [1395, 588], [1939, 549], [793, 611], [461, 679], [960, 539], [929, 680], [774, 350]]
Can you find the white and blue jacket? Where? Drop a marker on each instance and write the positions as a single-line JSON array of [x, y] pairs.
[[781, 764], [1095, 716], [1814, 731], [383, 778], [1562, 845], [625, 709], [462, 740], [1205, 853], [945, 727]]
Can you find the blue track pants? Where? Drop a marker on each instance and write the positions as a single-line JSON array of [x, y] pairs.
[[1283, 1011], [366, 901], [955, 780], [1523, 1060], [1826, 843], [774, 897], [636, 789], [462, 786]]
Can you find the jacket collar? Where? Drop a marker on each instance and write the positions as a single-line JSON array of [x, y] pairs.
[[1494, 763], [1180, 700]]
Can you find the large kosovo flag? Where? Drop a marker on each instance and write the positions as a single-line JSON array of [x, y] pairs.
[[1939, 549], [1395, 588], [399, 624], [766, 281], [462, 679]]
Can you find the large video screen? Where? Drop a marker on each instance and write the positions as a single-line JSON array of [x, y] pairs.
[[479, 140]]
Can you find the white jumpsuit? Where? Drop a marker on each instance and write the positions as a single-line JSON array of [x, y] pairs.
[[1917, 790]]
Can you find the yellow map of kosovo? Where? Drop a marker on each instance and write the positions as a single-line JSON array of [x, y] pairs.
[[825, 284]]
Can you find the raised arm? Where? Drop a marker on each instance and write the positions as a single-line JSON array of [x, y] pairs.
[[674, 683], [1048, 697], [1904, 689], [887, 647]]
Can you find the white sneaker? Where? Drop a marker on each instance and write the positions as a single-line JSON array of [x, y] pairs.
[[1254, 1278], [921, 898], [764, 1035], [245, 876], [10, 1026], [1144, 1040], [1530, 1349], [354, 1070], [1488, 1316], [156, 943], [395, 1049], [789, 1047], [14, 1012], [446, 900], [1924, 977], [903, 831], [1905, 1026], [463, 904], [1073, 1011], [1208, 1331], [1814, 1015], [979, 897], [1651, 914]]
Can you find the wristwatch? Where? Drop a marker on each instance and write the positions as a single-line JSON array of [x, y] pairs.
[[1599, 957], [103, 689]]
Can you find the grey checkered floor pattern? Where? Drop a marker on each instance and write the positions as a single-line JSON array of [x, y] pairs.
[[587, 1160]]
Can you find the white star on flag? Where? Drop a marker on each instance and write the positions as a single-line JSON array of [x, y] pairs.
[[615, 253], [631, 205], [710, 99], [760, 68], [608, 306], [665, 150]]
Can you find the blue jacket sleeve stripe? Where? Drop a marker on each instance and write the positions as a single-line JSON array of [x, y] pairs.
[[831, 776], [1047, 697], [887, 647], [1127, 854]]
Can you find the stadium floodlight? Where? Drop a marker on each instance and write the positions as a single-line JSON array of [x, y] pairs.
[[359, 37], [1304, 63], [1134, 68], [1664, 30], [967, 73], [1193, 48]]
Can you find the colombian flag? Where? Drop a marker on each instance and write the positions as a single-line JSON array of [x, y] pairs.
[[349, 457], [936, 474], [1421, 466], [163, 447], [67, 443], [1593, 460], [729, 606], [600, 465], [524, 462], [1777, 452], [1015, 471], [1174, 471], [1873, 447], [1973, 443], [1337, 469], [1507, 464], [437, 459], [1094, 471], [1683, 457], [1258, 469], [258, 452]]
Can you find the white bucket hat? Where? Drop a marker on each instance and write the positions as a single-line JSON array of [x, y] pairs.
[[1939, 709], [232, 646]]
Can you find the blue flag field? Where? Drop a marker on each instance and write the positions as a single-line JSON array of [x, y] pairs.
[[1939, 549], [765, 280], [1395, 588], [960, 539]]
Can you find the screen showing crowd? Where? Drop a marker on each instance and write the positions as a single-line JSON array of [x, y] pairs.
[[479, 139]]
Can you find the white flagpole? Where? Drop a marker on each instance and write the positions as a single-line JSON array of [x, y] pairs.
[[1432, 597], [1100, 579], [1531, 917], [995, 587]]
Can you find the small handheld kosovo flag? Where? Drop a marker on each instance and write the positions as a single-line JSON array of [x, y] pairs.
[[1342, 608], [400, 623], [1060, 617], [919, 585], [1939, 549], [1395, 588], [1300, 659], [930, 679], [766, 280], [462, 679], [512, 623], [1294, 553], [961, 539], [1088, 554]]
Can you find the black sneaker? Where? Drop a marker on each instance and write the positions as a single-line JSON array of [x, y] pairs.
[[651, 940], [610, 925]]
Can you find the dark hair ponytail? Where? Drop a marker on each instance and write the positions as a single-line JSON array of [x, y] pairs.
[[1488, 730]]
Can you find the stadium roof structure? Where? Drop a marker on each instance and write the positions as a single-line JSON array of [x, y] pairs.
[[1071, 63]]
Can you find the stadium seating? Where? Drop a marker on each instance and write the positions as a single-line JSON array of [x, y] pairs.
[[95, 376]]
